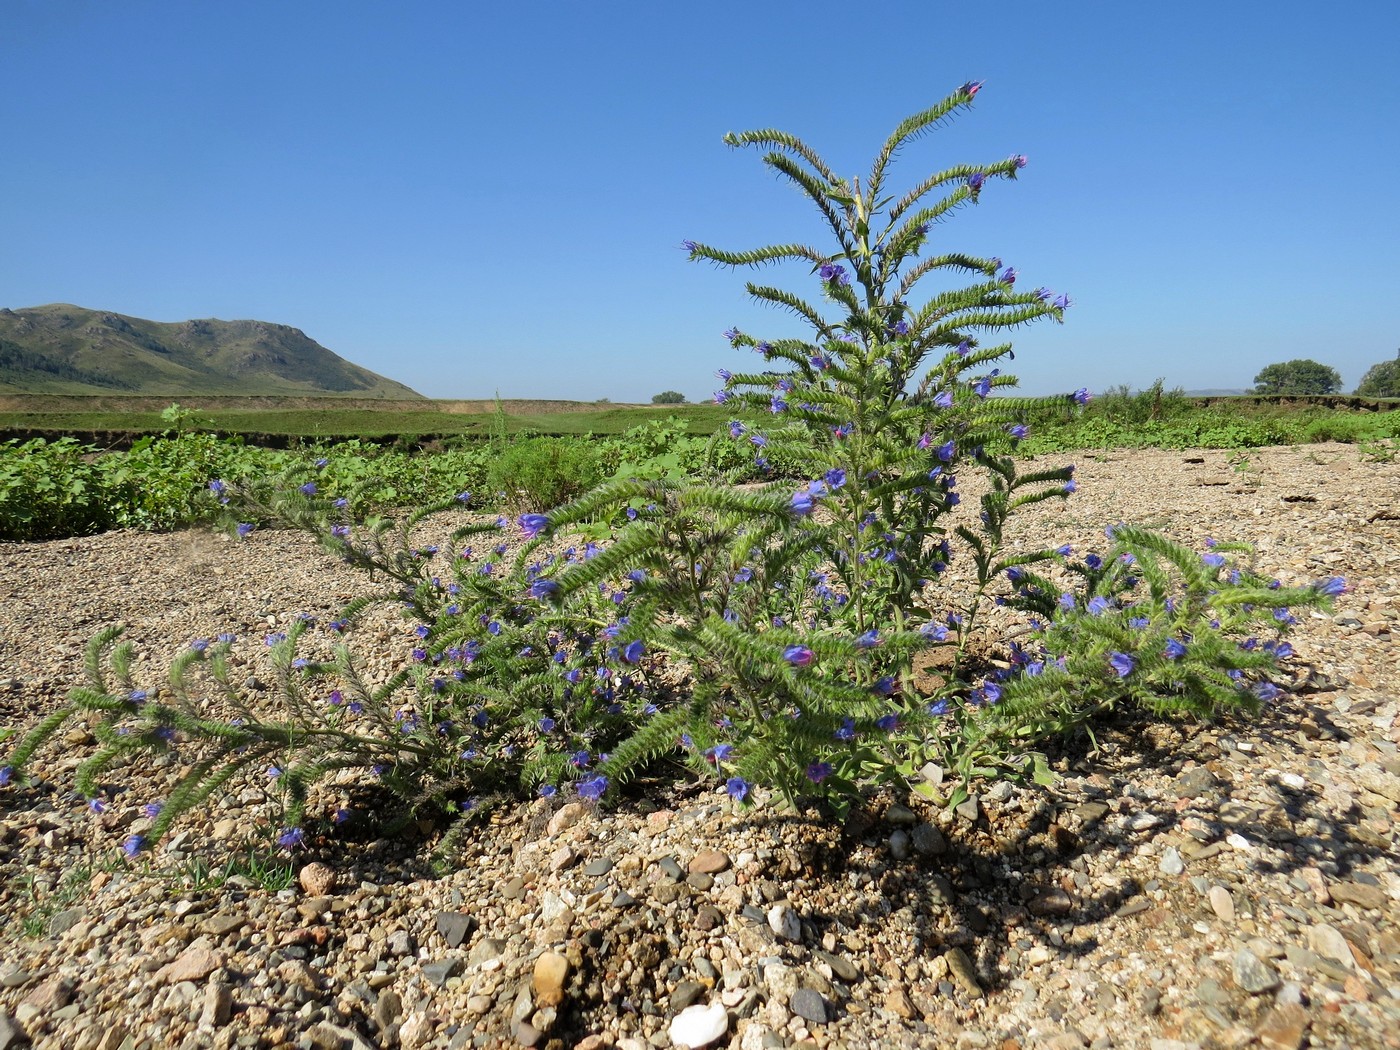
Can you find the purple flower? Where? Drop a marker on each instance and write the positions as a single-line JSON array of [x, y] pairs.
[[290, 838], [1018, 431], [901, 327], [1213, 560], [1008, 275], [309, 489], [801, 503], [831, 273], [1267, 691], [869, 640], [818, 771], [721, 396], [946, 451], [97, 805], [887, 723], [963, 348], [593, 788], [548, 791], [1121, 663], [798, 655], [1082, 396], [1331, 587], [975, 180], [689, 246], [983, 386], [737, 788], [847, 730], [836, 477], [971, 88], [543, 589], [885, 686], [151, 810], [244, 528], [1070, 487], [732, 334], [719, 753], [1019, 160], [1062, 302], [133, 845], [777, 405], [531, 525], [632, 652], [1174, 650], [340, 532], [547, 725], [943, 399], [1098, 606]]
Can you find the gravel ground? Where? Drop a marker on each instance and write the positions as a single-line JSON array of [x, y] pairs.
[[1226, 885]]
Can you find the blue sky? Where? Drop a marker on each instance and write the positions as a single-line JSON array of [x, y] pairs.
[[473, 198]]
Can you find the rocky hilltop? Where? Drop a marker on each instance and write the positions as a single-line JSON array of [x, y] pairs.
[[63, 349]]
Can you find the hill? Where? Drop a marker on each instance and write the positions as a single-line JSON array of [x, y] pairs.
[[63, 349]]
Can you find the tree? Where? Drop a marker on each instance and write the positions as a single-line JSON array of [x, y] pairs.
[[1382, 380], [1300, 376], [668, 397]]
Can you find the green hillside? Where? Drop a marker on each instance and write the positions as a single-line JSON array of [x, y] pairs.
[[63, 349]]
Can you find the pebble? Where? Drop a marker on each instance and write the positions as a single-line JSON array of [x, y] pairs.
[[783, 921], [698, 1026], [808, 1005], [1253, 974], [1171, 862]]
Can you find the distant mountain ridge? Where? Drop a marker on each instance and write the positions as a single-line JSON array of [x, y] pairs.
[[64, 349]]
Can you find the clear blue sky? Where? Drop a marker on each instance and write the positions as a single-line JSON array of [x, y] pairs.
[[471, 198]]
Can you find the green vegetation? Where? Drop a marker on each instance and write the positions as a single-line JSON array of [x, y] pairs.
[[69, 349], [668, 397], [1299, 376], [1381, 380], [732, 633]]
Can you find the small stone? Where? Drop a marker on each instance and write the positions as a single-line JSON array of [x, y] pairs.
[[1293, 781], [562, 858], [454, 926], [1330, 944], [13, 977], [702, 881], [12, 1034], [1171, 862], [968, 808], [551, 971], [1371, 898], [841, 967], [897, 1002], [598, 867], [900, 845], [1253, 974], [1001, 791], [485, 950], [709, 862], [808, 1004], [400, 942], [1195, 782], [194, 964], [388, 1008], [1222, 903], [478, 1004], [437, 972], [1050, 901], [671, 868], [566, 817], [783, 921], [218, 1005], [698, 1026], [900, 816], [928, 841], [1283, 1028], [960, 966], [317, 879], [686, 994]]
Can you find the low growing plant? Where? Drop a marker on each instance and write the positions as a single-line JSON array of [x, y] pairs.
[[763, 636]]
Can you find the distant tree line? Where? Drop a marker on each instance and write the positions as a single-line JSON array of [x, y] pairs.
[[1303, 376]]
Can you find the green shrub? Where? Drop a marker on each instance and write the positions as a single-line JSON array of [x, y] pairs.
[[533, 474]]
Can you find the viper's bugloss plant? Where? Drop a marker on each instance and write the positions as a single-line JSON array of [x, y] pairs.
[[764, 635]]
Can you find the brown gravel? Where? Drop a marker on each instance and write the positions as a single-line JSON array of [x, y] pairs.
[[1200, 886]]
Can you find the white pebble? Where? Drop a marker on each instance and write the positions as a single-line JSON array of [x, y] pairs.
[[699, 1025]]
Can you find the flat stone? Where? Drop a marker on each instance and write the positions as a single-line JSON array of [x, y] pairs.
[[551, 971], [12, 1033], [454, 926], [193, 964], [437, 972], [698, 1026], [1050, 902], [968, 808], [702, 881], [53, 994], [218, 1005], [1222, 903], [840, 966], [685, 994], [597, 867], [1252, 974], [485, 950], [1328, 942], [808, 1004], [1371, 898], [1283, 1028], [900, 816], [1196, 782], [960, 967], [709, 862], [566, 817], [898, 1003], [671, 868], [1091, 812]]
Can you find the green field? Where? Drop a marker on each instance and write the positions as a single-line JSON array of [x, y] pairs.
[[321, 419]]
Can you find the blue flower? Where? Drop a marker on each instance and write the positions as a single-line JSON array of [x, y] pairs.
[[799, 655], [1267, 691], [971, 88], [869, 639], [1174, 650], [1213, 560], [632, 652], [290, 838], [547, 725], [244, 528], [309, 489], [1121, 663], [1098, 606], [721, 396], [732, 334], [737, 788], [548, 791], [831, 273], [887, 723], [1070, 487], [1008, 275], [818, 771], [847, 730], [593, 788], [1062, 302], [1018, 431], [719, 753], [947, 451], [151, 810], [1019, 160], [133, 845], [1082, 396], [963, 348], [943, 399], [744, 575], [531, 525], [975, 180], [1332, 587], [724, 375], [801, 503], [543, 589]]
